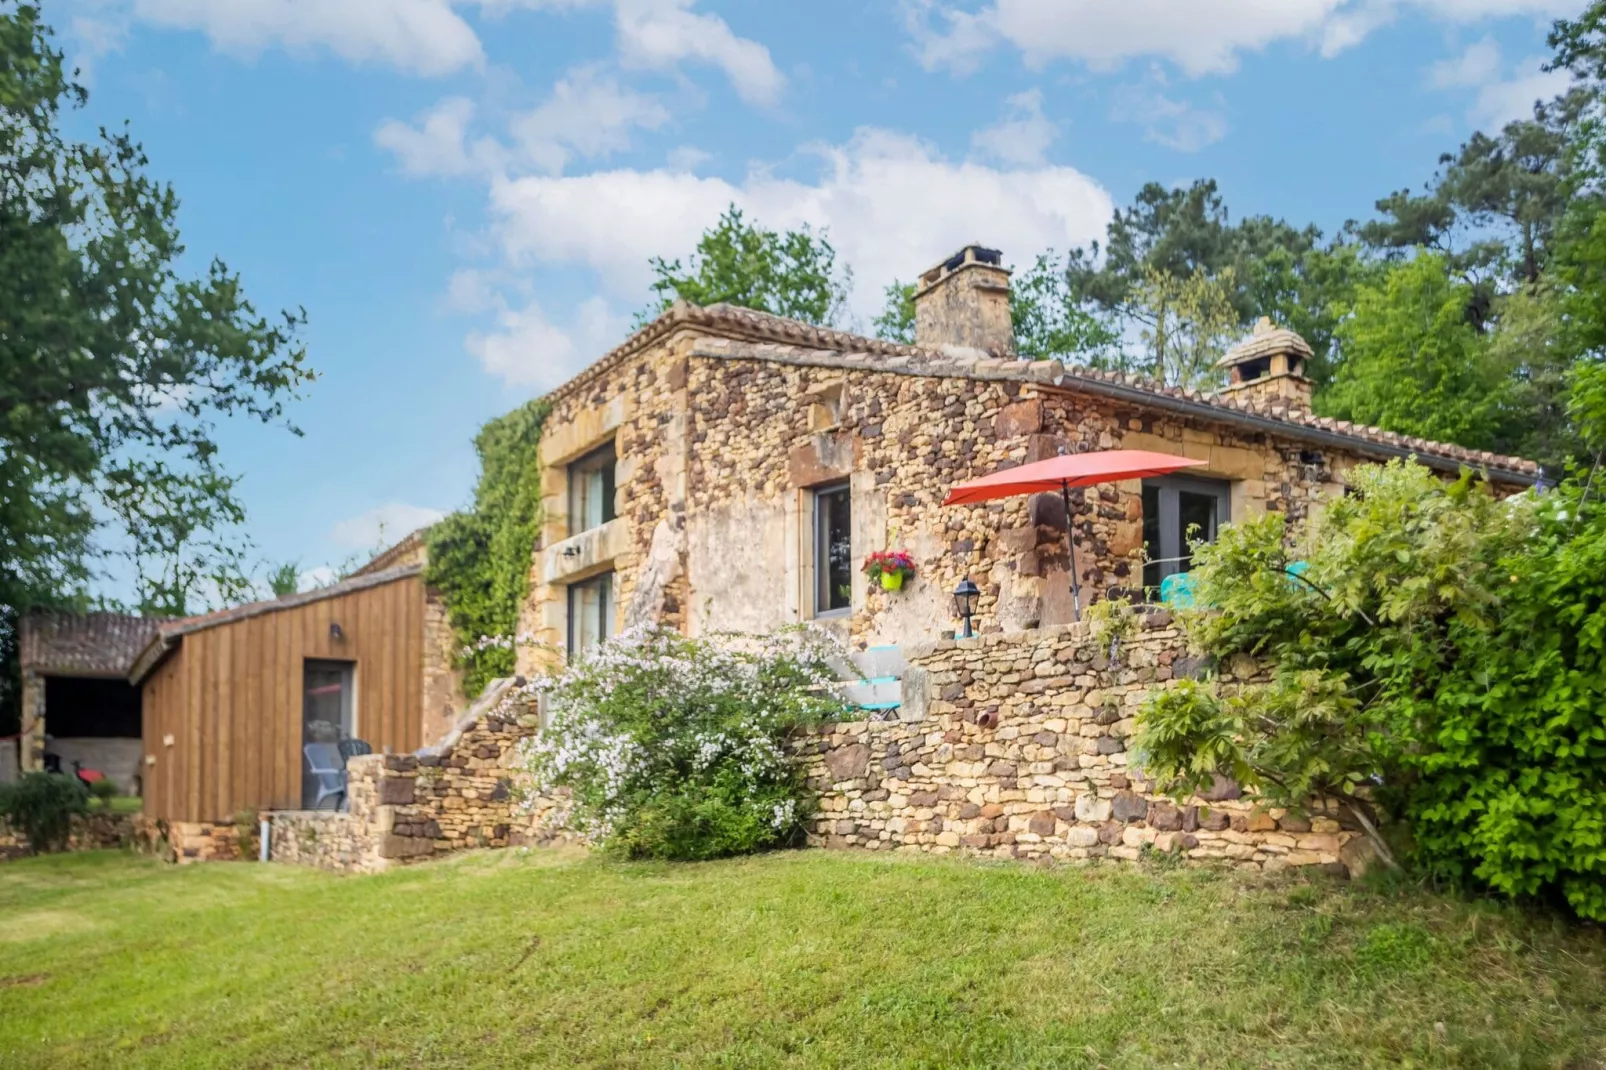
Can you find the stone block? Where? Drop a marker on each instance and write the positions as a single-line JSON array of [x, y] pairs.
[[848, 763], [1042, 823], [1092, 809], [1129, 806]]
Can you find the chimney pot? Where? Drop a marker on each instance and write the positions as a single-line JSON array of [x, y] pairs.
[[1269, 366], [962, 304]]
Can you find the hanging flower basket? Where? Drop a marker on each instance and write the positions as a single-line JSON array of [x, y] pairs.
[[891, 567]]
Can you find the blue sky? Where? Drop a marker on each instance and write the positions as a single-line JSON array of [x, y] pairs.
[[463, 194]]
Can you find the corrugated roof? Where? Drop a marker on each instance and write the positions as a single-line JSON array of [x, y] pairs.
[[82, 644], [777, 335]]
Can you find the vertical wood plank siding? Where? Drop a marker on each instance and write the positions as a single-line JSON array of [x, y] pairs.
[[230, 697]]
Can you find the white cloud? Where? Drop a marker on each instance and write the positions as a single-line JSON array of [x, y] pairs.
[[1176, 124], [420, 36], [893, 206], [1024, 136], [589, 114], [438, 145], [1199, 36], [1504, 101], [382, 525], [660, 34], [1477, 65], [529, 350]]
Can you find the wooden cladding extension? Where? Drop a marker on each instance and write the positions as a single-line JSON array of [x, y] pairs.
[[230, 696]]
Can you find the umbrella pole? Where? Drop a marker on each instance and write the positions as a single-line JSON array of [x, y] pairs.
[[1070, 540]]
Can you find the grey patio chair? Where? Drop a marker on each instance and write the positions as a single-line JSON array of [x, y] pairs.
[[327, 767]]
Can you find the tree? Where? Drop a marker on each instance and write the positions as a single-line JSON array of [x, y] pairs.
[[114, 368], [897, 320], [1493, 209], [1412, 361], [794, 274], [285, 578], [1051, 323], [1189, 322]]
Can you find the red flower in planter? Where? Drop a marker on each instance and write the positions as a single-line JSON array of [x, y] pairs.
[[891, 567]]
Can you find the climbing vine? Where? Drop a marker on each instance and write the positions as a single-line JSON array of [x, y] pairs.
[[480, 558]]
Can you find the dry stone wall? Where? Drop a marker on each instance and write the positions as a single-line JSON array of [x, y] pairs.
[[1016, 746], [92, 832], [406, 807], [1023, 753]]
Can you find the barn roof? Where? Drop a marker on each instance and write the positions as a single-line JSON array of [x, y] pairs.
[[82, 644]]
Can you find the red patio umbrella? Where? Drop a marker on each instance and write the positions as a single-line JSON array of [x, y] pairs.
[[1063, 473]]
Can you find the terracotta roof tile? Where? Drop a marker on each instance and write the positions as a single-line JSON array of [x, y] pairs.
[[761, 328]]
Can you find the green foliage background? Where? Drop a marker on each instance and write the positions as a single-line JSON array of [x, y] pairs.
[[1440, 671], [480, 558]]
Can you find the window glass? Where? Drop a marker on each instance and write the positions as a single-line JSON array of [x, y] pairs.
[[833, 550], [327, 720], [591, 490], [590, 614], [1176, 510]]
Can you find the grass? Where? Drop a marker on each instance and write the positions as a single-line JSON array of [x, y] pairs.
[[796, 960]]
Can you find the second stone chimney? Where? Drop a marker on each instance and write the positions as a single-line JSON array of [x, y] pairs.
[[1269, 366], [962, 305]]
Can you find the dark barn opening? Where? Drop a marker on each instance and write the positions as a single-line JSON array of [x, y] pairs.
[[88, 708]]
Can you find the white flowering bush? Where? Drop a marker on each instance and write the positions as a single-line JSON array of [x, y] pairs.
[[675, 748]]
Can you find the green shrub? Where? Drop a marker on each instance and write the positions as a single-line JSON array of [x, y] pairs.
[[41, 807], [103, 792], [675, 748], [1442, 665]]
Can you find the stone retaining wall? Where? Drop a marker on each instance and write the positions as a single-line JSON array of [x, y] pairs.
[[93, 832], [403, 807], [1052, 777], [1013, 746]]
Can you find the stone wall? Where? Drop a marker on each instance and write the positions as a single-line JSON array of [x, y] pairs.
[[93, 832], [184, 842], [1022, 753], [405, 807], [721, 441], [1015, 746]]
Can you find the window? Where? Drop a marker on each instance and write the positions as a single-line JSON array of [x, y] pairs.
[[591, 487], [1175, 510], [590, 613], [833, 550]]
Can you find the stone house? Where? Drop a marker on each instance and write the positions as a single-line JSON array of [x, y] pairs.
[[729, 469]]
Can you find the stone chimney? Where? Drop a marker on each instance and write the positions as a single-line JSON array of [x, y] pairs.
[[962, 305], [1269, 366]]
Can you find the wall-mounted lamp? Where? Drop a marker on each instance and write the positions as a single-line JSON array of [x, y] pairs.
[[336, 634], [966, 596]]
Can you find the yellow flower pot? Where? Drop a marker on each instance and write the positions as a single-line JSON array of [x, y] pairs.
[[892, 581]]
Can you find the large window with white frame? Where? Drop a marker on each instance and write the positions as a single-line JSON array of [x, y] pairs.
[[591, 489], [833, 550]]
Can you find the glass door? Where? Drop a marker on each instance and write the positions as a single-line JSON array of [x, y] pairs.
[[1176, 511], [327, 720]]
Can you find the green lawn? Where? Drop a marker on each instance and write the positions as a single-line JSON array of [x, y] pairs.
[[800, 959]]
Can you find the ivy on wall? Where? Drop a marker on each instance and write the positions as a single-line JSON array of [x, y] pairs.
[[479, 559]]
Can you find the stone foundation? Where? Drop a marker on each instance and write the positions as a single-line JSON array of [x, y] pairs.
[[1022, 753]]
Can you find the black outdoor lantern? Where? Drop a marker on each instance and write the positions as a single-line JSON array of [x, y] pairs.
[[965, 597]]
